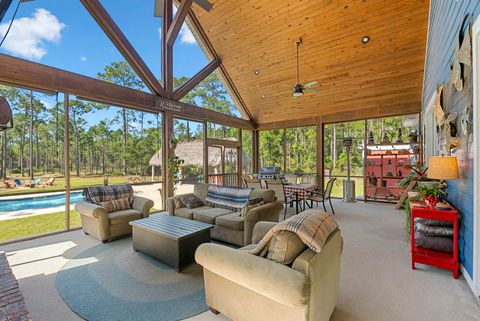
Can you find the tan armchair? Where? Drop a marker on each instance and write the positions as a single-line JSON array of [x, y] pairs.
[[245, 287], [104, 226]]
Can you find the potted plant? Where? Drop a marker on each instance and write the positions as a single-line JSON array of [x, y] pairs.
[[429, 192]]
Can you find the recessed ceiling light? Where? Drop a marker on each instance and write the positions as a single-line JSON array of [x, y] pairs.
[[263, 96], [365, 39], [256, 72]]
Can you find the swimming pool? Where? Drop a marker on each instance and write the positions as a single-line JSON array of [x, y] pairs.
[[38, 202]]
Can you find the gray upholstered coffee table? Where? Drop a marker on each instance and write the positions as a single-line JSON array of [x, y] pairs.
[[170, 239]]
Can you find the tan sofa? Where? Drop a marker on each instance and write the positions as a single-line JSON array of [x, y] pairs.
[[245, 287], [104, 226], [229, 226]]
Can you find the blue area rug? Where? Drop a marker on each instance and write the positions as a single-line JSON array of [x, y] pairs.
[[112, 282]]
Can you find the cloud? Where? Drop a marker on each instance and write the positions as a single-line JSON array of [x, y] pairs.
[[186, 35], [83, 58], [28, 36]]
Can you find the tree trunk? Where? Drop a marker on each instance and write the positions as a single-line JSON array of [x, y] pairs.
[[77, 147], [4, 156], [125, 140], [334, 146], [30, 163]]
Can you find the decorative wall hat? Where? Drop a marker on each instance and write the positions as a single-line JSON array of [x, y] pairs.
[[465, 52], [437, 109], [456, 69]]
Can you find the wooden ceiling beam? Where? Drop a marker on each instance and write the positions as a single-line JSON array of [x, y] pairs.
[[195, 80], [24, 73], [167, 50], [346, 116], [4, 5], [177, 22], [103, 19], [224, 76]]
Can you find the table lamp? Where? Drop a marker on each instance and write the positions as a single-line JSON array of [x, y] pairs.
[[442, 168]]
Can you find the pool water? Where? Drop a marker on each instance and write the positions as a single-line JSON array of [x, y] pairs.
[[38, 202]]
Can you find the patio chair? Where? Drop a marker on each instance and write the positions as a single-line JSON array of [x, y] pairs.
[[286, 198], [50, 181], [252, 182], [35, 182], [18, 182], [8, 185], [308, 179], [322, 196]]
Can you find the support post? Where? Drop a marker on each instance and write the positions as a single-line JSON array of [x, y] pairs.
[[66, 146], [167, 50], [255, 153], [240, 158], [168, 153], [205, 152], [319, 140]]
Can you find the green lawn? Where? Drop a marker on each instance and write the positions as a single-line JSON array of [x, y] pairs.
[[34, 225], [59, 184]]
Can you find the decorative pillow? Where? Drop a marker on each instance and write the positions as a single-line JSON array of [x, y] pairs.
[[444, 244], [109, 206], [178, 202], [248, 208], [122, 204], [190, 200], [284, 247], [433, 230], [255, 201], [429, 222]]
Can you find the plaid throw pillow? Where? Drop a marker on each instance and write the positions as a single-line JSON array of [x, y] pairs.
[[122, 204], [109, 206]]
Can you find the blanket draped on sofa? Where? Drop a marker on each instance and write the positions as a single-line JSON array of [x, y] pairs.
[[227, 196], [312, 226]]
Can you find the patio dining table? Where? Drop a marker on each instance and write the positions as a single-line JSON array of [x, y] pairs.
[[301, 192]]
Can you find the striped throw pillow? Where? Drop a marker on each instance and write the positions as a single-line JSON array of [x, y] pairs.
[[109, 206], [122, 204]]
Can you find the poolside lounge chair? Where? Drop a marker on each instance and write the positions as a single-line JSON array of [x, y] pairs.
[[8, 185], [50, 181], [18, 182], [35, 182]]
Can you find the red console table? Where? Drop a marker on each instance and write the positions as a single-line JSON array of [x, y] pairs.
[[430, 257]]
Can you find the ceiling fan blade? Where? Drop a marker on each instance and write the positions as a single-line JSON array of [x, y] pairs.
[[204, 4], [310, 84], [159, 7], [316, 90]]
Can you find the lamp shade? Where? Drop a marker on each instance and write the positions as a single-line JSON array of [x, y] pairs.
[[442, 167]]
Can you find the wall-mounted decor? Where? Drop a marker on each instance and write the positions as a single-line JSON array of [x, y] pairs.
[[466, 120], [465, 52], [438, 112]]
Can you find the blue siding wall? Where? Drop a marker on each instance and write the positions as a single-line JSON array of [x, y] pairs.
[[446, 17]]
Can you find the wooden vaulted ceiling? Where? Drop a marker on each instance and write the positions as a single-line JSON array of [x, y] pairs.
[[384, 75]]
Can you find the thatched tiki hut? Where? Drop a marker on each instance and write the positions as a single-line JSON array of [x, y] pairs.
[[191, 153]]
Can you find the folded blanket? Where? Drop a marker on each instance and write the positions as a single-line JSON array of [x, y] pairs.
[[227, 196], [312, 226]]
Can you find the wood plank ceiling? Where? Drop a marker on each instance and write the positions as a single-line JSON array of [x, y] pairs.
[[385, 74]]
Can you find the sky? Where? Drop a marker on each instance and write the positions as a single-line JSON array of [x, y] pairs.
[[62, 34]]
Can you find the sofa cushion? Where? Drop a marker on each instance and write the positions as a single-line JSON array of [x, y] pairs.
[[284, 247], [201, 190], [125, 216], [201, 208], [266, 194], [184, 212], [210, 214], [231, 221]]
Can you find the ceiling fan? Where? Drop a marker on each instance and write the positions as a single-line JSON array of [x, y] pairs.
[[160, 6], [298, 88]]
